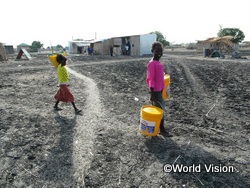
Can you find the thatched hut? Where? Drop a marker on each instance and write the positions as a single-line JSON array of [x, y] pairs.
[[221, 44]]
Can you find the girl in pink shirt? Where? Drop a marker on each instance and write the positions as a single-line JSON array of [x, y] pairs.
[[155, 79]]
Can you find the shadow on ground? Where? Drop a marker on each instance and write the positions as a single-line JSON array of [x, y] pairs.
[[200, 167], [58, 167]]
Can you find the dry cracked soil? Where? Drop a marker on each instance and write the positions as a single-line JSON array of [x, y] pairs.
[[207, 115]]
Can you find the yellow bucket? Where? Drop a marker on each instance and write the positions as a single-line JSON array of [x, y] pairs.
[[166, 90], [52, 59], [150, 120]]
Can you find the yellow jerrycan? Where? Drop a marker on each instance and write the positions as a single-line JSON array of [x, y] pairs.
[[166, 90]]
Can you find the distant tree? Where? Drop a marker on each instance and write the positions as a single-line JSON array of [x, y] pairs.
[[35, 46], [235, 32], [59, 46], [160, 38]]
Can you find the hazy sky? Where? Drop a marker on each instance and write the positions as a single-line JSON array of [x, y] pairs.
[[54, 22]]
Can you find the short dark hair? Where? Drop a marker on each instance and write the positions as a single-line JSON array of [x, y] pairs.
[[157, 50], [60, 58], [156, 45]]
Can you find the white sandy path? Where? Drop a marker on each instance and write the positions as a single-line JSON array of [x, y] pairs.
[[84, 136]]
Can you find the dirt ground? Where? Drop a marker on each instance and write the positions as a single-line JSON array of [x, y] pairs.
[[207, 114]]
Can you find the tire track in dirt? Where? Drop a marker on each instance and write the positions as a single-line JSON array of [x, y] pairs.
[[84, 136], [196, 87], [198, 90], [200, 93], [209, 107], [194, 94]]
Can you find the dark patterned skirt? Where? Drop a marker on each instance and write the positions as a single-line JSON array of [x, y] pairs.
[[64, 94]]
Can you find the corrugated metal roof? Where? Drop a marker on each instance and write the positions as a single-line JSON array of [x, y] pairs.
[[81, 43]]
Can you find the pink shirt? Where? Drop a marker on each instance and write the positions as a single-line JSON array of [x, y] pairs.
[[155, 75]]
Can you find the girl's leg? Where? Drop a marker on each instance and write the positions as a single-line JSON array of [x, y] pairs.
[[73, 104], [56, 106], [76, 109], [161, 104]]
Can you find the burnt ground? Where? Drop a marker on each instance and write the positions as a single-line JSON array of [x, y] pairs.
[[208, 116]]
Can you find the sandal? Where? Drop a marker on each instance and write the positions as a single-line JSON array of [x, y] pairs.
[[78, 111], [57, 108]]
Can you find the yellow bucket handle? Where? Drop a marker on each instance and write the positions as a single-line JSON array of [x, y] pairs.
[[158, 103]]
